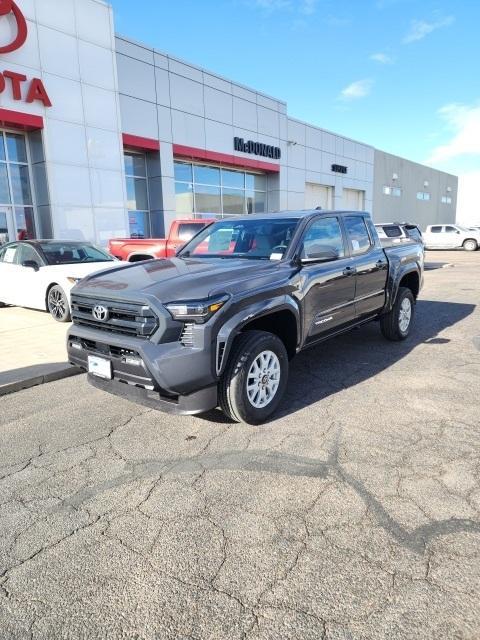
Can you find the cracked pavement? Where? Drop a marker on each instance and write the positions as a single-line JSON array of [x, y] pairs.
[[354, 514]]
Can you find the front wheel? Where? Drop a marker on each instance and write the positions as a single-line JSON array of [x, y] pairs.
[[255, 379], [396, 324], [58, 305], [470, 245]]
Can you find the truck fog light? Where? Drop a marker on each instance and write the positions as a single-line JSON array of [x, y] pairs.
[[134, 362], [76, 345]]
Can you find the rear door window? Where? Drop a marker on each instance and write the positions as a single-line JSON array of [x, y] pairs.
[[392, 231], [436, 229], [358, 235]]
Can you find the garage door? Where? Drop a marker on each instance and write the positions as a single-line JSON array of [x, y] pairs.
[[354, 200], [318, 195]]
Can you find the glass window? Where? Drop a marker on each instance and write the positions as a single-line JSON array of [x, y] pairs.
[[20, 184], [187, 231], [396, 192], [323, 234], [25, 223], [208, 199], [197, 188], [16, 147], [184, 197], [233, 179], [27, 252], [73, 252], [183, 172], [252, 239], [234, 201], [9, 253], [137, 194], [436, 229], [206, 175], [387, 190], [392, 231], [358, 234], [256, 181], [138, 222], [135, 165], [2, 149], [5, 197], [450, 229]]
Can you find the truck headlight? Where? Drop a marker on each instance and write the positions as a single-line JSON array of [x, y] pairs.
[[196, 310]]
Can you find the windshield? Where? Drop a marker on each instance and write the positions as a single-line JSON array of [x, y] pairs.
[[73, 253], [256, 239]]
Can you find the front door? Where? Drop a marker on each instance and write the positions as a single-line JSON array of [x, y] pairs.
[[371, 267], [7, 228], [329, 285]]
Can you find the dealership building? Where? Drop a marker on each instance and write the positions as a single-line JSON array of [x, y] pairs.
[[103, 137]]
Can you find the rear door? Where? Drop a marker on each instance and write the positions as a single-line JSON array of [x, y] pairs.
[[371, 265], [329, 286]]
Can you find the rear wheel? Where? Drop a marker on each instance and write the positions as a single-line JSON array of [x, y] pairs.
[[396, 324], [58, 305], [255, 379], [470, 245]]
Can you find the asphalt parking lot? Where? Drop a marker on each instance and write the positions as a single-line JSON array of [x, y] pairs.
[[355, 514]]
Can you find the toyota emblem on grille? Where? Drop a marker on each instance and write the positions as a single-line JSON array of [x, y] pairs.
[[100, 313]]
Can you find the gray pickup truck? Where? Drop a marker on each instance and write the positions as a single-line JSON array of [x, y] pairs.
[[217, 324]]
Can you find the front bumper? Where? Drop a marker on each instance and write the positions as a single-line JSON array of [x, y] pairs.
[[169, 376]]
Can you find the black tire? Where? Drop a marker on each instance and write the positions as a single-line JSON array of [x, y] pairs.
[[470, 244], [233, 395], [58, 305], [391, 323]]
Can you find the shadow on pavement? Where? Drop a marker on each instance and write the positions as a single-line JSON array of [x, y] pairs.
[[356, 356]]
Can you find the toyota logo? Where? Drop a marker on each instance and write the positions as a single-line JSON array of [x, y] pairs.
[[7, 7], [100, 313]]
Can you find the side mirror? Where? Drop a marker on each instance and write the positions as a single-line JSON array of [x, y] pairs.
[[31, 264], [321, 254]]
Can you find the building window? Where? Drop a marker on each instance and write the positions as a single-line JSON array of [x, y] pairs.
[[17, 219], [446, 200], [206, 189], [137, 195], [423, 195], [387, 190], [396, 192]]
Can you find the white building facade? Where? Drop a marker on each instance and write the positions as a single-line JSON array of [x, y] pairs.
[[103, 137]]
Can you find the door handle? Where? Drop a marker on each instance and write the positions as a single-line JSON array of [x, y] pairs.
[[349, 271]]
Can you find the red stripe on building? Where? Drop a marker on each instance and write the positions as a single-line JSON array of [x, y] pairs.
[[18, 120], [144, 144], [224, 159]]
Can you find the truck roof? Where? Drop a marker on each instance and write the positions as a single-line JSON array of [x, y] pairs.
[[294, 214]]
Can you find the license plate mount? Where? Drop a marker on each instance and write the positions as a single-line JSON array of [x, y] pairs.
[[100, 367]]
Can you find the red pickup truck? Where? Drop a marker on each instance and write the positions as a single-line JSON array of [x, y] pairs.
[[136, 250]]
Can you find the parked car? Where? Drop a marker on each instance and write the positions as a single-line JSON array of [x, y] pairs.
[[451, 236], [39, 274], [137, 250], [218, 324], [397, 232]]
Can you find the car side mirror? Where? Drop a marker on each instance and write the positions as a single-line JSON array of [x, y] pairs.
[[31, 264], [457, 232], [322, 254]]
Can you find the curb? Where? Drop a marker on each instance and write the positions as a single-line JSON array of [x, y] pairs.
[[18, 385]]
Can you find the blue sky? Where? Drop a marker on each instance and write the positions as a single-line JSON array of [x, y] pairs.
[[402, 75]]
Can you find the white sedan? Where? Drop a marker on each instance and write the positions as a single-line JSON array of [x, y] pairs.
[[40, 274]]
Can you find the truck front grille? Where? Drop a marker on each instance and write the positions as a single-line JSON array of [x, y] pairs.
[[126, 318]]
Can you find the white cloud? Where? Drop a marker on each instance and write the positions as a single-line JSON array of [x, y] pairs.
[[463, 121], [421, 28], [356, 90], [383, 58]]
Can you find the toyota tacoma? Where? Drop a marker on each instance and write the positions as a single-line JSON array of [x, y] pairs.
[[217, 324]]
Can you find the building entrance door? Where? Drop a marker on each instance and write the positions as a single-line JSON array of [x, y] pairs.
[[7, 228], [354, 200]]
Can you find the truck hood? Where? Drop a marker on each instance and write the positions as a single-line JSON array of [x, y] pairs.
[[183, 279]]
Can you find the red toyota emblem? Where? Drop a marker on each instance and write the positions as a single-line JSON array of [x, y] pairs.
[[9, 6]]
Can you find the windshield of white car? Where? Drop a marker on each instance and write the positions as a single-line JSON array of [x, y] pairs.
[[256, 239], [73, 253]]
